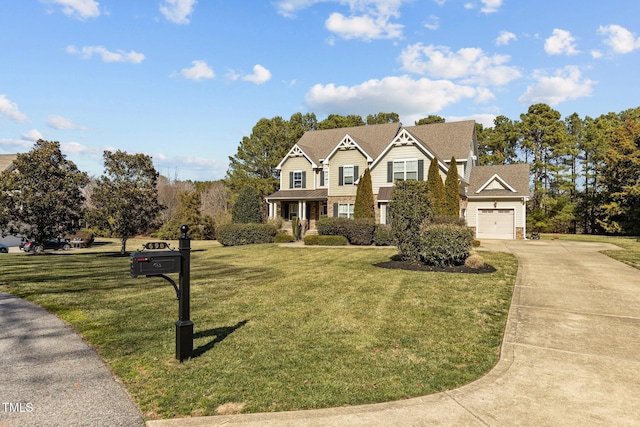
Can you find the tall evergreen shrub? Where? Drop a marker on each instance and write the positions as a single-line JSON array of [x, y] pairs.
[[409, 208], [451, 190], [364, 198], [435, 188], [248, 207]]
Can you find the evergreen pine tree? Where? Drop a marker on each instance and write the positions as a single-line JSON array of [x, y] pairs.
[[364, 198], [248, 208], [451, 189], [435, 189]]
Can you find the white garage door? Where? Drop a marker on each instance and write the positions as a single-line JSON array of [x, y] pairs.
[[495, 224]]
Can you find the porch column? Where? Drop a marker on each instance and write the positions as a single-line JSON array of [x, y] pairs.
[[271, 216], [304, 210]]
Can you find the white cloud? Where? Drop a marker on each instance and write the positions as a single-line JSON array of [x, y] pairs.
[[471, 64], [505, 38], [14, 145], [178, 11], [62, 123], [403, 95], [10, 110], [32, 135], [260, 75], [596, 54], [368, 19], [433, 23], [107, 56], [486, 120], [490, 6], [80, 9], [561, 42], [233, 75], [565, 84], [619, 39], [199, 71], [365, 27], [289, 8], [77, 148]]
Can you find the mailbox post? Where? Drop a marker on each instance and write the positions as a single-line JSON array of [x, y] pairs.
[[184, 325], [158, 264]]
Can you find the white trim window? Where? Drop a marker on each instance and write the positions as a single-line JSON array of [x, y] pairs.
[[297, 179], [348, 175], [345, 210], [404, 170]]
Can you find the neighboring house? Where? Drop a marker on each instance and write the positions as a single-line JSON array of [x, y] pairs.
[[319, 175], [6, 162]]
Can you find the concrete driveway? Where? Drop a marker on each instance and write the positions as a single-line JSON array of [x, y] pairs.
[[570, 357]]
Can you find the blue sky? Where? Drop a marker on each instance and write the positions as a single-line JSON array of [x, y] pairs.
[[185, 80]]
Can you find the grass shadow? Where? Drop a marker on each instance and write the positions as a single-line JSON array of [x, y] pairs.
[[219, 333]]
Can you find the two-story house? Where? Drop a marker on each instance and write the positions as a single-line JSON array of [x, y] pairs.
[[320, 174]]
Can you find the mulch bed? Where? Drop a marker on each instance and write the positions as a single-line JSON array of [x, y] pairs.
[[406, 265]]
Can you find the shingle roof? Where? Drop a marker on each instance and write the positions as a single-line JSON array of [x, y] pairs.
[[516, 176], [6, 161], [299, 194], [384, 194], [318, 144], [446, 139]]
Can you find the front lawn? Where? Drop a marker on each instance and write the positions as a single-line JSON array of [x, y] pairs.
[[276, 328]]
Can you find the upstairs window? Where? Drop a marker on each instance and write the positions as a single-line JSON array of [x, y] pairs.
[[347, 175], [404, 170], [297, 179]]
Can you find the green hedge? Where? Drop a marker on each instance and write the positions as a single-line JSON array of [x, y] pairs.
[[332, 226], [383, 236], [445, 244], [284, 238], [357, 231], [246, 234], [317, 240]]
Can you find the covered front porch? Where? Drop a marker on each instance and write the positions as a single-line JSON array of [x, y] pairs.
[[306, 205]]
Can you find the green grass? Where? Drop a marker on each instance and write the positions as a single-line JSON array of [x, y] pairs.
[[276, 328], [629, 245]]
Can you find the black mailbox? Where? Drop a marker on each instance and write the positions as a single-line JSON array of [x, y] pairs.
[[145, 263]]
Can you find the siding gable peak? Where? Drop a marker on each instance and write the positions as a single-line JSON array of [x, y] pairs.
[[405, 138], [496, 183], [296, 151], [347, 143]]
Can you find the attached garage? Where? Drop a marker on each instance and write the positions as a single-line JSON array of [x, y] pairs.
[[496, 224]]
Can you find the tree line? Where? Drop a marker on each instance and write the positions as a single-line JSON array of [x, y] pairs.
[[585, 177], [585, 172]]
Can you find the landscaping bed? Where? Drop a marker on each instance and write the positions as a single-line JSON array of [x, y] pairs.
[[414, 266]]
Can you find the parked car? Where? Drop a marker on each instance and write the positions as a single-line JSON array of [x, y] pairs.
[[4, 249], [55, 244]]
